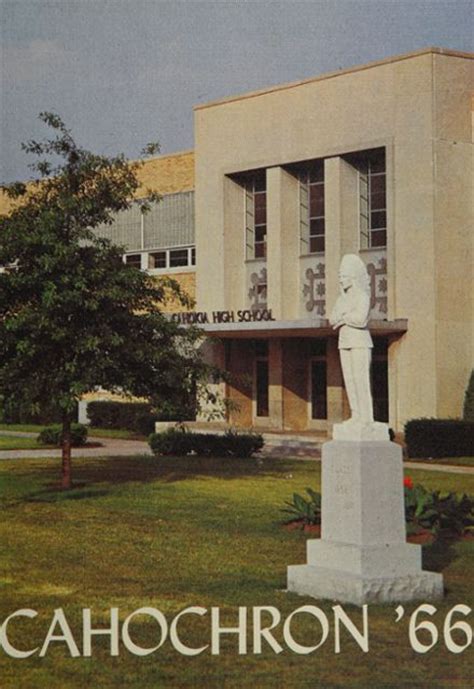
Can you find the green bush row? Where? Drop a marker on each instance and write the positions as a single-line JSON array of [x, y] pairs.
[[53, 435], [439, 438], [179, 442], [134, 416]]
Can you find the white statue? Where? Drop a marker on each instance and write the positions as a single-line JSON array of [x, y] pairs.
[[351, 315]]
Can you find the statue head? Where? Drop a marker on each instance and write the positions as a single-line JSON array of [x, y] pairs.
[[352, 272]]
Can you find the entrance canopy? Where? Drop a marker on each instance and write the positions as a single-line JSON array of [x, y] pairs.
[[297, 328]]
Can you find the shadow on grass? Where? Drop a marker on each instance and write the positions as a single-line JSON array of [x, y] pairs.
[[55, 495], [94, 478]]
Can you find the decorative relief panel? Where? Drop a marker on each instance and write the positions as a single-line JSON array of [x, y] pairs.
[[257, 292], [313, 287], [376, 262]]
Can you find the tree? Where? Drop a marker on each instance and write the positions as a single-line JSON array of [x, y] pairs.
[[468, 407], [73, 316]]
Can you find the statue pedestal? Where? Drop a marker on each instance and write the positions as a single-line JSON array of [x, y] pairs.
[[362, 556]]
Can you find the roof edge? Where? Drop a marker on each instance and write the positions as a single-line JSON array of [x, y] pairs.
[[162, 156], [331, 75]]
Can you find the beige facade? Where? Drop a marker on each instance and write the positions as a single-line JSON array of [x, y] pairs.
[[416, 109], [375, 160]]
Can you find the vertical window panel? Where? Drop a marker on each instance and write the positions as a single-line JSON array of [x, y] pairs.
[[372, 199], [312, 215]]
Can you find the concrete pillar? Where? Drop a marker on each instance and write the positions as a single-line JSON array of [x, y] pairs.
[[295, 384], [214, 354], [275, 392], [283, 243], [335, 387], [234, 247], [239, 363], [209, 204], [342, 220]]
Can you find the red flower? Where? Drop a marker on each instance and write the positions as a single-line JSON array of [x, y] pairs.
[[407, 482]]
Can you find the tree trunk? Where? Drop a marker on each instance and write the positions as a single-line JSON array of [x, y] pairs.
[[66, 480]]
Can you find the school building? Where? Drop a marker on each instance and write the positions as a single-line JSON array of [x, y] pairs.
[[282, 182]]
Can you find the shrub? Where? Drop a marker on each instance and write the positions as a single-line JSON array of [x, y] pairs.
[[136, 416], [430, 510], [308, 511], [439, 438], [468, 408], [52, 435], [179, 441], [174, 441], [424, 509]]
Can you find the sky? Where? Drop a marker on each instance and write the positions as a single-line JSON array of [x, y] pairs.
[[122, 73]]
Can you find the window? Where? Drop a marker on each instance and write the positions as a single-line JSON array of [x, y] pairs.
[[164, 259], [373, 200], [134, 260], [261, 376], [312, 208], [256, 216], [318, 380], [179, 257], [157, 259]]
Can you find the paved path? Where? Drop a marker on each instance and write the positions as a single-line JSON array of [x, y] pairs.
[[450, 468], [110, 447], [115, 447]]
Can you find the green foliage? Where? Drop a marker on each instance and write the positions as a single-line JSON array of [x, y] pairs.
[[180, 442], [425, 509], [439, 438], [468, 408], [172, 442], [73, 316], [130, 415], [52, 435], [304, 510], [46, 412], [71, 305], [136, 416]]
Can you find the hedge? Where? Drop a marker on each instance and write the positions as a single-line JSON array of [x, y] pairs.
[[52, 435], [439, 438], [135, 416], [179, 442]]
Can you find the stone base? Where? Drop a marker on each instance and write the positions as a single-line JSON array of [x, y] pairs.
[[345, 587], [388, 560], [362, 556]]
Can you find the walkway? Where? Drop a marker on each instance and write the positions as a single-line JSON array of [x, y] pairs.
[[116, 447], [109, 447]]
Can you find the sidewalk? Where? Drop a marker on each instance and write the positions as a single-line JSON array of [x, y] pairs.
[[118, 447], [110, 447]]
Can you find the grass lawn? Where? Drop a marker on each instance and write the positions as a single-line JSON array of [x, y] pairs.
[[172, 533], [93, 432], [9, 442]]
